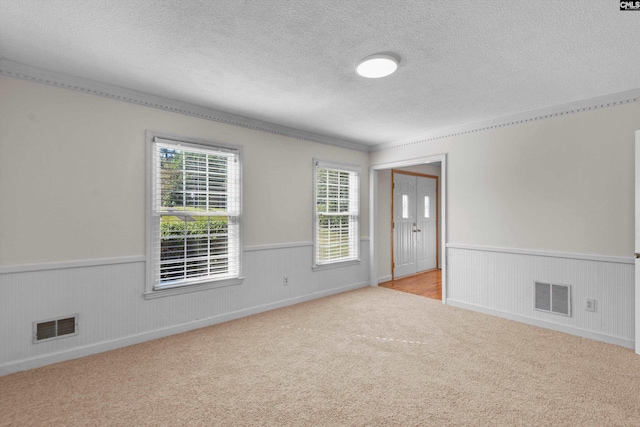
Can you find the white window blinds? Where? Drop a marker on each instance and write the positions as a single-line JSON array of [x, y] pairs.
[[195, 213], [337, 212]]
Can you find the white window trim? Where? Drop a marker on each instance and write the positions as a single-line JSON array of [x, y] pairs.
[[150, 292], [323, 164]]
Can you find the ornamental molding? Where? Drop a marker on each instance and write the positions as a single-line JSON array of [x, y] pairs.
[[520, 118], [51, 78]]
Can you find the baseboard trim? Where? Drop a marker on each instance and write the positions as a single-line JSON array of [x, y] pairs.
[[384, 279], [78, 352], [623, 342]]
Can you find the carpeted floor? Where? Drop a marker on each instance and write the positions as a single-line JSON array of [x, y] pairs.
[[371, 357]]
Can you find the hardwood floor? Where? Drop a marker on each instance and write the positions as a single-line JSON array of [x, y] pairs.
[[427, 284]]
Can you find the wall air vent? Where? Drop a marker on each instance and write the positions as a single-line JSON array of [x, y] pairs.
[[55, 328], [553, 298]]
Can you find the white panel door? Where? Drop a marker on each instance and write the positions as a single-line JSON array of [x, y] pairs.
[[414, 224], [404, 224], [426, 236]]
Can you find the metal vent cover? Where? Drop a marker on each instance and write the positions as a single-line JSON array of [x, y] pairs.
[[553, 298], [55, 328]]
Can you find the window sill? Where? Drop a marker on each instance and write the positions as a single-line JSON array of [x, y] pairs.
[[320, 267], [185, 289]]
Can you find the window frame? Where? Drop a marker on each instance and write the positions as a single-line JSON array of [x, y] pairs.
[[343, 167], [151, 227]]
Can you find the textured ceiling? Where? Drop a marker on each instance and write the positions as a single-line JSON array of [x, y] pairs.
[[292, 62]]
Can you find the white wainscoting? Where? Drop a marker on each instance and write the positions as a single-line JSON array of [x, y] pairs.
[[108, 299], [500, 282]]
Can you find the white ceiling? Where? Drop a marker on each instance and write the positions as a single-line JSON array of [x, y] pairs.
[[292, 62]]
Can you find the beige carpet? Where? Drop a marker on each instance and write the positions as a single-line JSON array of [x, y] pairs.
[[371, 357]]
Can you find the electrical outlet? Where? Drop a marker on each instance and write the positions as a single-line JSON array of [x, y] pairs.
[[590, 305], [285, 280]]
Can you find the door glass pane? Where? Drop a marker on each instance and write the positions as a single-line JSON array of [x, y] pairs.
[[405, 206], [427, 211]]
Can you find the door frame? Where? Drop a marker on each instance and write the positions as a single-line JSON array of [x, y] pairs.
[[373, 215], [637, 240], [424, 175]]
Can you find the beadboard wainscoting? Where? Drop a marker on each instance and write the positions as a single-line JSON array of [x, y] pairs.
[[501, 282], [107, 298]]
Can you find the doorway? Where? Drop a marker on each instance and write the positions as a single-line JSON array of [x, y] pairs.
[[637, 242], [414, 223], [380, 252], [427, 284]]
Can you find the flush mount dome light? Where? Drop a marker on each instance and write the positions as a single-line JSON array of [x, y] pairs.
[[376, 66]]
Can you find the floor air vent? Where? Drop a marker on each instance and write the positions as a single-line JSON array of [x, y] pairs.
[[55, 328], [553, 298]]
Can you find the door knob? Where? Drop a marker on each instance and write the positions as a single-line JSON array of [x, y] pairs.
[[637, 255]]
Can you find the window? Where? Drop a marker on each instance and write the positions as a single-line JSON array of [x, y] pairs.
[[194, 214], [336, 213], [427, 207], [405, 206]]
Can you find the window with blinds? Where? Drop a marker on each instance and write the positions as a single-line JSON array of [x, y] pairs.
[[195, 213], [336, 236]]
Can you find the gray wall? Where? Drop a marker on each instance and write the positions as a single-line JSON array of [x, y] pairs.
[[550, 199], [72, 223]]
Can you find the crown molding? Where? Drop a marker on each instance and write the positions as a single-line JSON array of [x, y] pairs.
[[515, 119], [26, 72]]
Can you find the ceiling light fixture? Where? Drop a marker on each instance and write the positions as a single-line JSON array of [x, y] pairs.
[[378, 65]]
